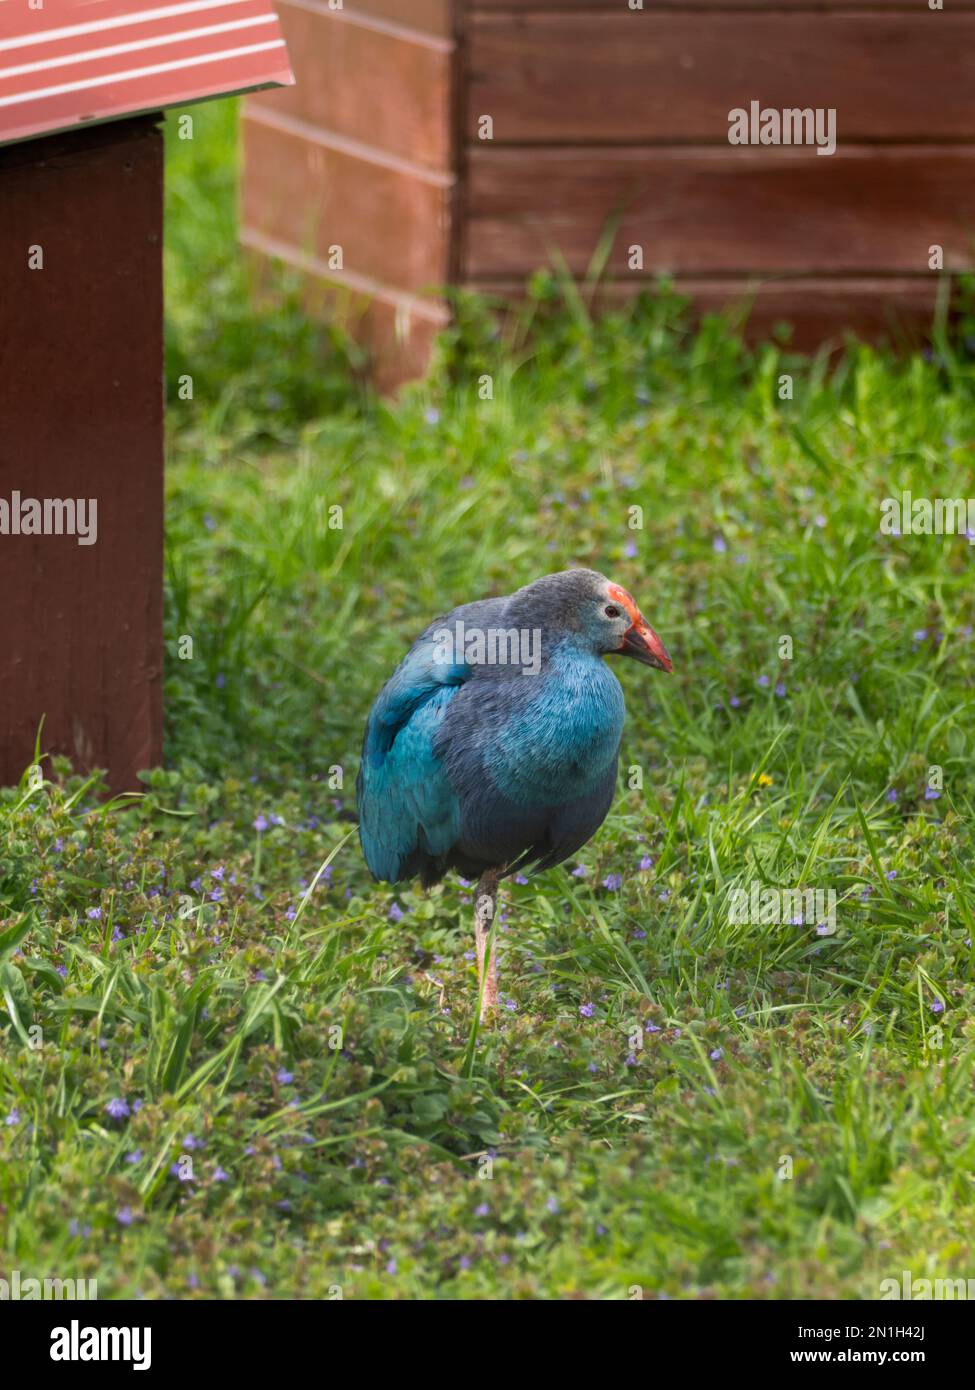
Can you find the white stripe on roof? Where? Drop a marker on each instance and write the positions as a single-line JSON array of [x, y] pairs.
[[119, 21], [139, 46], [108, 79]]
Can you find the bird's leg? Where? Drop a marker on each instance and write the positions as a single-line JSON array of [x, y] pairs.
[[485, 900]]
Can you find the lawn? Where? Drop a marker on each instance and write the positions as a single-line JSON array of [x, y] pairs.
[[233, 1066]]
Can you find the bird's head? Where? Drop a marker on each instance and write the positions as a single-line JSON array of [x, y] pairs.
[[603, 615]]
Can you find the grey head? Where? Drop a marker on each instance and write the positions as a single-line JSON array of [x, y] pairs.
[[583, 604]]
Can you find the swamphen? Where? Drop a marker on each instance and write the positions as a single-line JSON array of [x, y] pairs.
[[493, 747]]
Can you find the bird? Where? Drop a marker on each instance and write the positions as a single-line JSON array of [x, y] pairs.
[[493, 747]]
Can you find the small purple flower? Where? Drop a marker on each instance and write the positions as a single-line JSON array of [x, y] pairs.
[[580, 871], [134, 1156], [646, 864], [937, 1006], [890, 794], [587, 1010], [780, 689], [552, 1204], [734, 702], [13, 1118], [716, 1054], [520, 878], [931, 794], [284, 1078], [614, 882], [482, 1210], [118, 1108], [764, 680], [891, 873], [396, 913], [220, 1175], [629, 550], [719, 544], [94, 914], [124, 1216], [261, 823]]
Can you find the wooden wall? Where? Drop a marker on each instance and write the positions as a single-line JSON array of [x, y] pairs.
[[359, 155], [603, 112], [82, 416], [604, 115]]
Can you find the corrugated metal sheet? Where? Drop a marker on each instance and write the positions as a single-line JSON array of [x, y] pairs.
[[95, 60]]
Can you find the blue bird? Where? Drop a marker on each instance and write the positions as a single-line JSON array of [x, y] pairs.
[[493, 747]]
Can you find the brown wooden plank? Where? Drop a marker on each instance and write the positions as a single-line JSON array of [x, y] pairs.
[[567, 78], [366, 84], [521, 7], [391, 225], [81, 417], [819, 310], [716, 211], [433, 16]]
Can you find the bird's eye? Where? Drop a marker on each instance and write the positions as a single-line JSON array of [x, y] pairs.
[[611, 611]]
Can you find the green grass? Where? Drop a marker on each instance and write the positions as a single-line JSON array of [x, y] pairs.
[[656, 1069]]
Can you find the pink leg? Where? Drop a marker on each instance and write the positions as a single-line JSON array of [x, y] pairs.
[[485, 899]]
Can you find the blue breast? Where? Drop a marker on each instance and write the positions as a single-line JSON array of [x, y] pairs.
[[563, 735]]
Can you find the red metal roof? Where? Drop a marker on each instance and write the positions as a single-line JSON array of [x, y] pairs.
[[96, 60]]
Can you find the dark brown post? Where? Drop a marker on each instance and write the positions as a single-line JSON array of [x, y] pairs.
[[81, 417]]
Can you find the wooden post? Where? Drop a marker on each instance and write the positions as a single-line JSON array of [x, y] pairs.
[[81, 384]]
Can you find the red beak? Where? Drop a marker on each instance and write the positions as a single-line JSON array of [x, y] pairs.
[[643, 644]]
